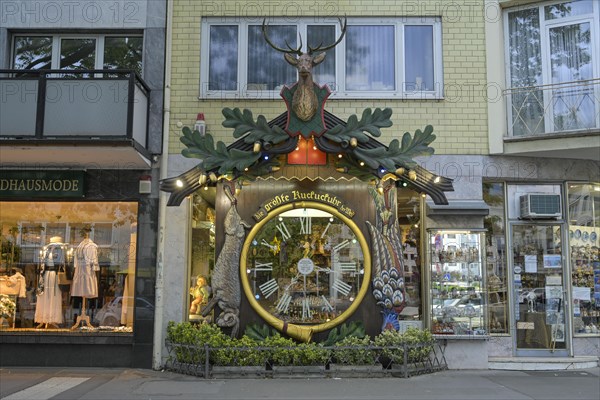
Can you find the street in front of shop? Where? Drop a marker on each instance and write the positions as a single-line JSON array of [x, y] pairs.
[[99, 384]]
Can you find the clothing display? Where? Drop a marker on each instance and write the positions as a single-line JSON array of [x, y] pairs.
[[48, 307], [85, 282]]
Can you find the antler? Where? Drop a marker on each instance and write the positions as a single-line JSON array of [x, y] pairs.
[[289, 50], [322, 49]]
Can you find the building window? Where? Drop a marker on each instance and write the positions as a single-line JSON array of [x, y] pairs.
[[584, 238], [77, 52], [93, 243], [553, 70], [386, 57]]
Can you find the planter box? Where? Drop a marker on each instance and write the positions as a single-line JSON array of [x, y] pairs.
[[356, 371], [303, 371], [222, 372]]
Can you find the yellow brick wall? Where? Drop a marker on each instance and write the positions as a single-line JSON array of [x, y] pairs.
[[459, 120]]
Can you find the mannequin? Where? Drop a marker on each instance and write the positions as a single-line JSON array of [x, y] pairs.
[[48, 307], [85, 282]]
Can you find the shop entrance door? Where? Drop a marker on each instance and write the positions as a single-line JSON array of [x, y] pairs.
[[538, 276]]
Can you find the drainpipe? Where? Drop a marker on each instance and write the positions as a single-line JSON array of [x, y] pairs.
[[158, 343]]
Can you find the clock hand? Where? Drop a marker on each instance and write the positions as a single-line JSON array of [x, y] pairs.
[[325, 230]]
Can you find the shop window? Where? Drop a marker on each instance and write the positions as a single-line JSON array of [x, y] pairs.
[[379, 57], [584, 239], [203, 251], [89, 241], [495, 259], [457, 286]]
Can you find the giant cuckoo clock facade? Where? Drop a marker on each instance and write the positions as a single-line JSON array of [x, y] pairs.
[[307, 253]]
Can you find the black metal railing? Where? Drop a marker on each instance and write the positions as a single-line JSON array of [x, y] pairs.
[[330, 361], [73, 104]]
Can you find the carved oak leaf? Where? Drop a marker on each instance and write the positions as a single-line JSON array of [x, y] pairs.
[[243, 122], [399, 155], [203, 147], [370, 122]]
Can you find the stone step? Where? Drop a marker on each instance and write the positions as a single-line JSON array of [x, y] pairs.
[[542, 363]]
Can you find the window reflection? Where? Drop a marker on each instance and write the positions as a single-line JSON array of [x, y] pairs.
[[370, 58], [123, 53], [493, 195], [33, 52]]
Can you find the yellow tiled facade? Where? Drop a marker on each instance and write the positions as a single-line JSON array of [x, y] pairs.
[[459, 119]]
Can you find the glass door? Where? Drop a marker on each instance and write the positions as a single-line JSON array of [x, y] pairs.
[[539, 290]]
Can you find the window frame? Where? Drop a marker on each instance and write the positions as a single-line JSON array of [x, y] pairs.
[[57, 42], [339, 92]]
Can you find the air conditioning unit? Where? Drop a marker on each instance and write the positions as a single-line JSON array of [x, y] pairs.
[[540, 206]]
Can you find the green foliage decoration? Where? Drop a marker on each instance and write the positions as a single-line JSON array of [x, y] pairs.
[[203, 147], [399, 153], [371, 122], [243, 123], [258, 332], [352, 329]]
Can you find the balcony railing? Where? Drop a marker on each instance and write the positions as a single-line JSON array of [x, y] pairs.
[[75, 105], [569, 107]]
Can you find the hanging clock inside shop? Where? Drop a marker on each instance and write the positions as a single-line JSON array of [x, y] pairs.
[[305, 268]]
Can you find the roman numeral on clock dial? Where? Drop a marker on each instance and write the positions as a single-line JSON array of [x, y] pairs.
[[306, 311], [284, 303], [326, 304], [269, 287], [263, 266], [305, 225], [341, 245], [342, 287], [285, 233]]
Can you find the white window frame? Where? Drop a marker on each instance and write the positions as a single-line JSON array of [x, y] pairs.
[[56, 45], [545, 26], [340, 55]]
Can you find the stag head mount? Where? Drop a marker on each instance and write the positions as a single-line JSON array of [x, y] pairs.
[[304, 101]]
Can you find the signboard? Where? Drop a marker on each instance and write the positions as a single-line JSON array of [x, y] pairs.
[[299, 195], [41, 184]]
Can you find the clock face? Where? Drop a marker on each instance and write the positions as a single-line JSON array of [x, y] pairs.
[[305, 265]]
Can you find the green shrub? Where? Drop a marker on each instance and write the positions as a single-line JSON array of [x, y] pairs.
[[350, 356], [421, 342], [391, 342], [311, 354], [283, 352], [242, 352]]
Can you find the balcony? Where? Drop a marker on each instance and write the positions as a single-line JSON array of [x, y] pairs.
[[558, 120], [77, 119]]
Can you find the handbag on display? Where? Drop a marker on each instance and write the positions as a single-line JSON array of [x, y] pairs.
[[62, 276]]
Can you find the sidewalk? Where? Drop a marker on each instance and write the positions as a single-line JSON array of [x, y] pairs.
[[134, 384]]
